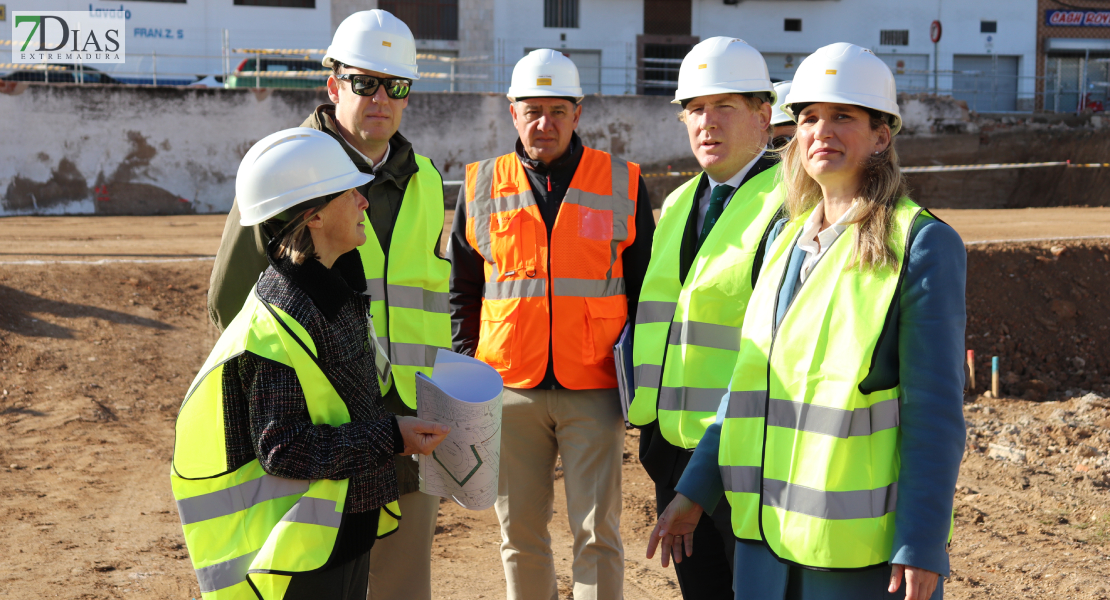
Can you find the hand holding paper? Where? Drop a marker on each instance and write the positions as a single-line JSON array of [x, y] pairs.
[[421, 437]]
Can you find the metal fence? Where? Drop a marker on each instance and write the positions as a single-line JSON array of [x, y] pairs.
[[1067, 87]]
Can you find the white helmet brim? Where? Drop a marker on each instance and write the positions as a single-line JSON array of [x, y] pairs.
[[868, 101]]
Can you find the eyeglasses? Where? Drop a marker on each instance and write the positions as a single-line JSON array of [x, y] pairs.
[[367, 85]]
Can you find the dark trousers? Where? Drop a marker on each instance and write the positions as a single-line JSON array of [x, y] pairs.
[[707, 575], [345, 581]]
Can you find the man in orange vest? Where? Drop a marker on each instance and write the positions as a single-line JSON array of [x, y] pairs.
[[548, 252]]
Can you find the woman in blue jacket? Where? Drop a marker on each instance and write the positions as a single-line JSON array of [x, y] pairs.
[[839, 443]]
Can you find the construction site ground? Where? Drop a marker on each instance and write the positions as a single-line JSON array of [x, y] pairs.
[[103, 325]]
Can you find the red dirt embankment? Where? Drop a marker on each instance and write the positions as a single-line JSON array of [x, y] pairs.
[[1042, 308]]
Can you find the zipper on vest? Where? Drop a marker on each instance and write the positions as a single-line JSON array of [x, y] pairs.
[[550, 301], [549, 182]]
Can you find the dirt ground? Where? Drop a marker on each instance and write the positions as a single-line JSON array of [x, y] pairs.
[[196, 236], [95, 357]]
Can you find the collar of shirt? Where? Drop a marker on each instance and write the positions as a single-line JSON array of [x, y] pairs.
[[375, 166], [815, 250], [828, 236], [734, 181]]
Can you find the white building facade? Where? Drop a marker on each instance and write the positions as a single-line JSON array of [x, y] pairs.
[[987, 53]]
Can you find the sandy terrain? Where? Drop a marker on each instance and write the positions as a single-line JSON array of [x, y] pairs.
[[185, 236], [94, 359]]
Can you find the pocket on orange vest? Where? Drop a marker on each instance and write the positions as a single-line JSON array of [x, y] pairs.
[[605, 318], [495, 335], [512, 241], [595, 224]]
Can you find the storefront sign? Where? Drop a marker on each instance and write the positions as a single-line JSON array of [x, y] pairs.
[[1077, 18]]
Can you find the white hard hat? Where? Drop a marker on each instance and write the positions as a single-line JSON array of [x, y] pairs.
[[545, 73], [845, 74], [290, 167], [722, 65], [374, 40], [778, 117]]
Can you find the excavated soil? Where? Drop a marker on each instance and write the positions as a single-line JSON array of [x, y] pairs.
[[94, 360], [1042, 308]]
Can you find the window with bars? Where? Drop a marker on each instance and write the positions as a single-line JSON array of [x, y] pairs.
[[894, 37], [791, 24], [277, 3], [560, 13], [659, 65], [428, 19]]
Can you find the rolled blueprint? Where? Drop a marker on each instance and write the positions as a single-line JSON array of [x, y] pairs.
[[465, 394]]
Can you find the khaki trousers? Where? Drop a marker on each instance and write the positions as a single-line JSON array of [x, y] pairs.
[[585, 427], [401, 564]]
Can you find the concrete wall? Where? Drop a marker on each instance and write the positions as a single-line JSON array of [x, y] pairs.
[[67, 149], [160, 150]]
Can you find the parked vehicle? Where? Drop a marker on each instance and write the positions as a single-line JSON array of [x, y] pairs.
[[244, 74]]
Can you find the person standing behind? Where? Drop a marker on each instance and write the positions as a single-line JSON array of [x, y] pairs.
[[783, 123], [548, 251], [373, 59], [697, 286]]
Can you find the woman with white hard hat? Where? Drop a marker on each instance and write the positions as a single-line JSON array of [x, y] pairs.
[[839, 443], [283, 465], [782, 122]]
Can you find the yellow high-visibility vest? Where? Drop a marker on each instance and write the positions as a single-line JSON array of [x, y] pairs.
[[809, 463], [409, 292], [694, 326], [248, 532]]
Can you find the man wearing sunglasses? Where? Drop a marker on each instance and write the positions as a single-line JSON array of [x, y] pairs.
[[549, 248], [373, 60]]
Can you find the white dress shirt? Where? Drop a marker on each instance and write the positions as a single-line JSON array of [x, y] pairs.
[[734, 181], [374, 167], [816, 249]]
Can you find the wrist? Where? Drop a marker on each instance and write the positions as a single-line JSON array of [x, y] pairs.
[[398, 439]]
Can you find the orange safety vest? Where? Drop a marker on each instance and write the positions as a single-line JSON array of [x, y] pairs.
[[577, 288]]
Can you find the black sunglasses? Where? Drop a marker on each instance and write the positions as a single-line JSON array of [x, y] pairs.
[[367, 85]]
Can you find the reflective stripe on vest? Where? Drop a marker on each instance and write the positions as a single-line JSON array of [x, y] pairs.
[[409, 303], [576, 285], [695, 325], [245, 522], [809, 463]]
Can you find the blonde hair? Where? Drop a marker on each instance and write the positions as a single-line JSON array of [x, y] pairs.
[[296, 241], [883, 185]]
